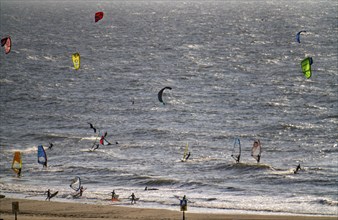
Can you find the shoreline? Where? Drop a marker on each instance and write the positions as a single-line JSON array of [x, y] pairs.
[[52, 210]]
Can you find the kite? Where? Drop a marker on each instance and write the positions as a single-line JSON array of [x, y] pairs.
[[160, 93], [76, 60], [98, 16], [7, 42], [298, 36], [306, 67]]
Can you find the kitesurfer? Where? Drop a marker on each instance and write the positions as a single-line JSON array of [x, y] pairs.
[[297, 169], [113, 194], [133, 198], [184, 203], [48, 195], [50, 145]]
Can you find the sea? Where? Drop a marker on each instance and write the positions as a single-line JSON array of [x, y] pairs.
[[234, 67]]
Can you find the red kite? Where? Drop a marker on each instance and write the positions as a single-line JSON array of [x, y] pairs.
[[98, 16], [7, 43]]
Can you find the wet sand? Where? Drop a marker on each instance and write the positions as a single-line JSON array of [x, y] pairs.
[[44, 210]]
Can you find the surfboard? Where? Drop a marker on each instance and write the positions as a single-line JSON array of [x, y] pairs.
[[115, 198]]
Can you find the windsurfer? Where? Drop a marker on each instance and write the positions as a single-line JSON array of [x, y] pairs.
[[96, 147], [81, 191], [19, 172], [256, 145], [237, 158], [184, 203], [187, 157], [258, 158]]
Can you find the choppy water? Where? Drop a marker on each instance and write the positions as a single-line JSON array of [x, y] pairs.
[[234, 69]]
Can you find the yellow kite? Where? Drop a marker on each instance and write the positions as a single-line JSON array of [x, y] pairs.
[[76, 60]]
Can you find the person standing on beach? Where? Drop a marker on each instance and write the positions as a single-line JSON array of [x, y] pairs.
[[184, 204], [133, 198], [113, 194], [48, 195], [81, 190]]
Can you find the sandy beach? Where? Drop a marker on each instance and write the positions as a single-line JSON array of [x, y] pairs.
[[44, 210]]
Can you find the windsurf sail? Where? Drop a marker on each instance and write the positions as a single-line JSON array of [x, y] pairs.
[[256, 150], [103, 140], [236, 150], [306, 67], [76, 184], [17, 163], [186, 153], [76, 60], [98, 16], [7, 42], [298, 36], [160, 94], [42, 156]]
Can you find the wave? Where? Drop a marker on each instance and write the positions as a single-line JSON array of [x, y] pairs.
[[246, 166], [327, 202], [25, 150], [154, 181], [6, 81]]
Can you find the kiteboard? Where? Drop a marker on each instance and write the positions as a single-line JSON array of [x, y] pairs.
[[115, 200], [54, 194]]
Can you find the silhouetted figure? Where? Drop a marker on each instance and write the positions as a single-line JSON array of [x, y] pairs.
[[133, 198], [48, 195], [297, 169]]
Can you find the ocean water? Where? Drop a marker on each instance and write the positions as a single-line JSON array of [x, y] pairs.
[[234, 69]]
